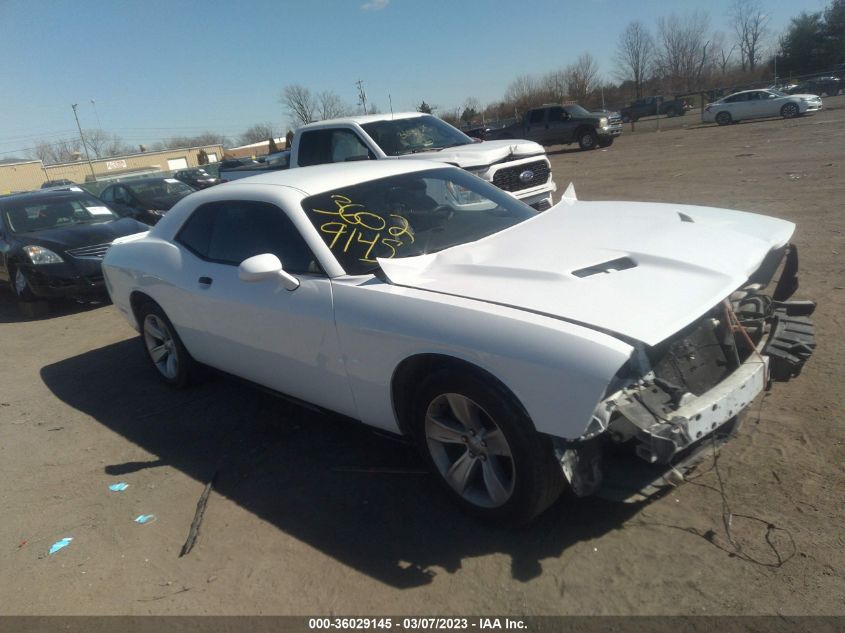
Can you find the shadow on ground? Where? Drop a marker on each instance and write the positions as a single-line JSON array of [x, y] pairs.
[[293, 467], [12, 312]]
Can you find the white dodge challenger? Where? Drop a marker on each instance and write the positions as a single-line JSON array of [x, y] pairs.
[[513, 347]]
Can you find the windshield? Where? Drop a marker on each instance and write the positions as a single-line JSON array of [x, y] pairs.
[[413, 135], [410, 214], [40, 214], [158, 190], [576, 110], [778, 93]]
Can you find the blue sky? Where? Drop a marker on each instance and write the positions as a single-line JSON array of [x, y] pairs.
[[158, 68]]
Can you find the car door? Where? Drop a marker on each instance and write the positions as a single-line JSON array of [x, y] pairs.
[[559, 126], [5, 247], [284, 340], [121, 200], [758, 104], [535, 126], [737, 105]]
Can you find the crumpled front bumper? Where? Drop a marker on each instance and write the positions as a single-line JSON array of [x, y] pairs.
[[779, 357]]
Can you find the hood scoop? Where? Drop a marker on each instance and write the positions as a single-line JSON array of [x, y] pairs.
[[612, 266]]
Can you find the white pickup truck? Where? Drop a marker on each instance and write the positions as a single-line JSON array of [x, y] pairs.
[[517, 166]]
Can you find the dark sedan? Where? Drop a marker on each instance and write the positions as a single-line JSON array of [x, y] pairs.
[[145, 199], [198, 178], [52, 243]]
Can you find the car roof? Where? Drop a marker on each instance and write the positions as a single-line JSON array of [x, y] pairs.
[[135, 181], [321, 178], [45, 194], [363, 119]]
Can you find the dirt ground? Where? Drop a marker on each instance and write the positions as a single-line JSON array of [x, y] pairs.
[[297, 525]]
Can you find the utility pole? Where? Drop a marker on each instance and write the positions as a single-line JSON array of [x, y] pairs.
[[362, 96], [82, 138]]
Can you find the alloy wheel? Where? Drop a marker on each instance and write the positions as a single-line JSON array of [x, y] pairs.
[[469, 450], [161, 346]]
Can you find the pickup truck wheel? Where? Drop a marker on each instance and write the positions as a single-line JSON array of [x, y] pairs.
[[483, 449], [671, 112], [789, 111], [626, 118], [164, 347], [724, 118], [606, 141], [588, 140]]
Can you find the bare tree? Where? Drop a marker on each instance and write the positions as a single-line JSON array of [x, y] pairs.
[[96, 140], [582, 76], [256, 133], [750, 25], [60, 151], [555, 85], [299, 103], [329, 106], [634, 55], [683, 45], [721, 53], [206, 138], [524, 92]]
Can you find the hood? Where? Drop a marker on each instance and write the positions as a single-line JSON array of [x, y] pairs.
[[78, 235], [806, 96], [481, 154], [636, 269]]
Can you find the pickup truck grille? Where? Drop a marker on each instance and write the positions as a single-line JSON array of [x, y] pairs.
[[509, 177], [615, 119], [97, 251]]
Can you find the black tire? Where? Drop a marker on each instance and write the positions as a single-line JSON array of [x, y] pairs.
[[790, 110], [529, 478], [724, 118], [670, 112], [176, 367], [626, 118], [588, 140], [606, 141]]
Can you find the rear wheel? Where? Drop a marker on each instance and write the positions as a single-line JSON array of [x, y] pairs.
[[483, 448], [588, 140], [164, 347], [724, 118], [790, 110]]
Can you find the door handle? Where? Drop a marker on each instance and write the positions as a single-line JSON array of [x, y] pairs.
[[205, 281]]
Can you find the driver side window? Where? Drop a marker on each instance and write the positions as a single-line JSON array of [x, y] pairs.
[[230, 232]]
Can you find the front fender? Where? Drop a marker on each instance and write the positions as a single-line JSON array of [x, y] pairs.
[[557, 370]]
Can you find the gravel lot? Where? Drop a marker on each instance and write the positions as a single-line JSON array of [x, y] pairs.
[[297, 523]]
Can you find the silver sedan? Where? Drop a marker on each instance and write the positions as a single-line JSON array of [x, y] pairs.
[[752, 104]]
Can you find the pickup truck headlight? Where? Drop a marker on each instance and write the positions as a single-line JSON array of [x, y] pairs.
[[603, 122], [39, 255]]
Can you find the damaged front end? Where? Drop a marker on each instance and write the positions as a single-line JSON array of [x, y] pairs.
[[672, 396]]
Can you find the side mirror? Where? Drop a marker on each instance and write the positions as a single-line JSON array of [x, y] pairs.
[[266, 266]]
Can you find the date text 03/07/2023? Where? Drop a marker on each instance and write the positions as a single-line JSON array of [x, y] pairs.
[[417, 623]]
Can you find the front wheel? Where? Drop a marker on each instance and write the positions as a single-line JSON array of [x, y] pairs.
[[588, 140], [164, 347], [483, 449], [790, 111], [607, 141]]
